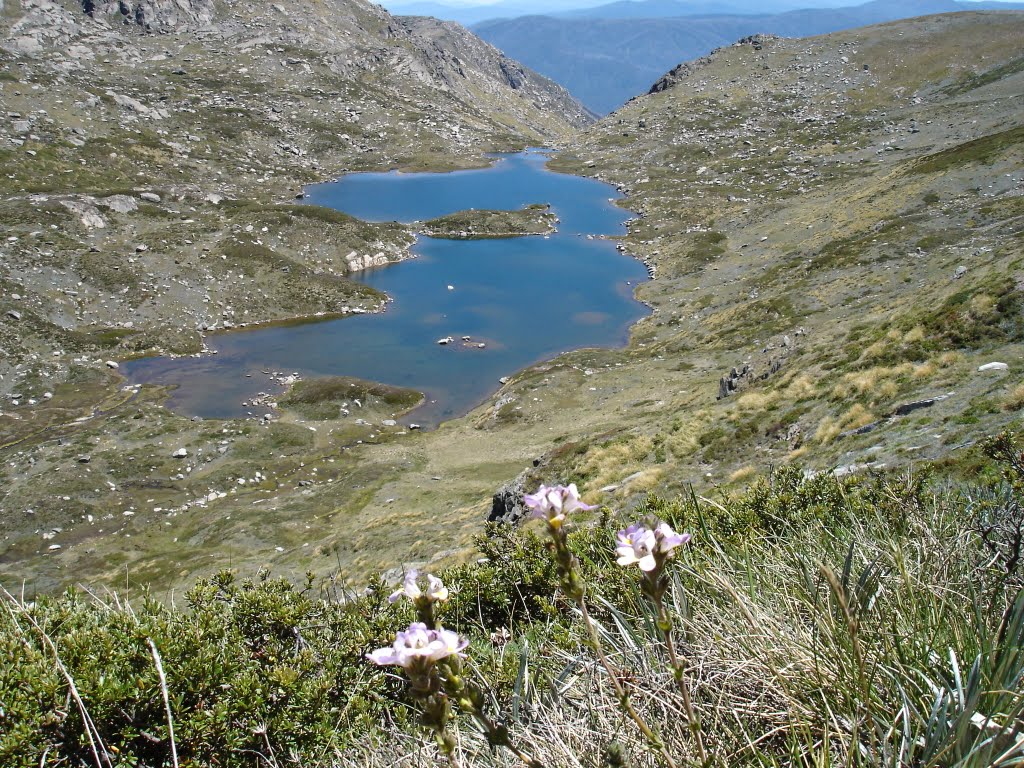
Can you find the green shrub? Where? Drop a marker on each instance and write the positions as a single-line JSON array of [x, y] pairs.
[[819, 607]]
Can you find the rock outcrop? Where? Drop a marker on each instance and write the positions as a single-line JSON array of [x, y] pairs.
[[466, 64], [507, 505], [152, 15]]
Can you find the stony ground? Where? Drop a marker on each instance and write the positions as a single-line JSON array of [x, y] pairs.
[[837, 219]]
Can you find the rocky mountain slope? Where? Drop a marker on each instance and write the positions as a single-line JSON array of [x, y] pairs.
[[835, 227], [142, 142], [152, 151]]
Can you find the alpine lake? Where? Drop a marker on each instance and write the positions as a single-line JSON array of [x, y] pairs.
[[499, 304]]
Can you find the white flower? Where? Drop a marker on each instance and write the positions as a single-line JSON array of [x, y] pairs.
[[636, 544], [554, 503], [418, 645], [639, 544], [668, 539], [435, 590]]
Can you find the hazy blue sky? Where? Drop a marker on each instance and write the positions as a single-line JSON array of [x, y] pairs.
[[568, 4]]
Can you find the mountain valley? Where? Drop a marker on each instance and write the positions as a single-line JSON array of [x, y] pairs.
[[834, 226]]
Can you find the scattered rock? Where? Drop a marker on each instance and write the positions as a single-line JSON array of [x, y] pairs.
[[959, 272], [150, 197], [861, 430], [181, 453], [89, 214], [994, 367], [903, 410], [729, 384], [357, 263], [507, 502], [445, 340], [112, 365], [127, 102], [120, 203]]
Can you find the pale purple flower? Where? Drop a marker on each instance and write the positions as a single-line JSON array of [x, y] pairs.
[[636, 544], [554, 503], [418, 645], [639, 544], [435, 590], [668, 539]]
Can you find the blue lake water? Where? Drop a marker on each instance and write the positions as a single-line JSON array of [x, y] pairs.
[[526, 299]]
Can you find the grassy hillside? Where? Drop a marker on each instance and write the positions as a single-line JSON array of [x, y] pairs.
[[837, 219], [827, 269], [151, 163]]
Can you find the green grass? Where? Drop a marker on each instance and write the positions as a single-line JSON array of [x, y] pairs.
[[973, 81], [815, 613], [480, 224], [984, 150]]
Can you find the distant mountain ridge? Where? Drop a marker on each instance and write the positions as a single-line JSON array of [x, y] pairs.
[[605, 60], [650, 9], [508, 9]]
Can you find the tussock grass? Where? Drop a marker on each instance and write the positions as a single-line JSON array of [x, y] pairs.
[[857, 621], [799, 388], [1014, 399], [855, 416], [743, 473], [755, 401], [609, 463], [875, 384]]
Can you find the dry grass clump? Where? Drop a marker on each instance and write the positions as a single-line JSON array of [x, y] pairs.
[[755, 401], [875, 384], [948, 359], [646, 481], [685, 443], [609, 463], [981, 306], [742, 474], [684, 438], [855, 417], [1014, 399], [800, 388]]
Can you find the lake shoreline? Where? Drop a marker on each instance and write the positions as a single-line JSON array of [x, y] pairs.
[[570, 218]]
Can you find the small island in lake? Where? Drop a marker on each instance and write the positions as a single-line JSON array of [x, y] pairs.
[[536, 219]]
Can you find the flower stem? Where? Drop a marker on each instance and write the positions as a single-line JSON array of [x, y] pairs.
[[678, 663], [595, 643], [470, 699]]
